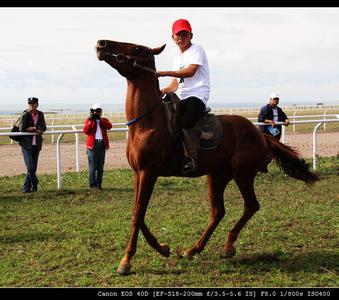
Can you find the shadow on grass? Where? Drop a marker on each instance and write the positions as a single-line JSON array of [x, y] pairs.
[[54, 195], [311, 262], [30, 237], [159, 271], [114, 189], [40, 195]]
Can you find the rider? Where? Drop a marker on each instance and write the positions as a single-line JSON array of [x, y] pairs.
[[192, 87]]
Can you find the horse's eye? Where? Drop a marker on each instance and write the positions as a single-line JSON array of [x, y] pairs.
[[136, 48]]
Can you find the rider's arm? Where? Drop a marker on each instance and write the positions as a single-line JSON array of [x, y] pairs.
[[189, 71]]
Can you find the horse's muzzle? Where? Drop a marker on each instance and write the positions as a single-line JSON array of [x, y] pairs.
[[100, 46]]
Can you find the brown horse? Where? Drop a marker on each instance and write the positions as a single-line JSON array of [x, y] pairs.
[[151, 153]]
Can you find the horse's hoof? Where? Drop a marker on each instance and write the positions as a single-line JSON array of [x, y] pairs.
[[188, 253], [229, 252], [124, 269], [165, 250]]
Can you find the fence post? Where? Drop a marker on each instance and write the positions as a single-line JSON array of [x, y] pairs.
[[11, 127], [294, 120], [52, 129], [325, 119], [76, 150], [58, 153], [314, 146], [283, 134]]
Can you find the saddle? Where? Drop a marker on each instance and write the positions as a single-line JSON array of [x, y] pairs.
[[211, 128]]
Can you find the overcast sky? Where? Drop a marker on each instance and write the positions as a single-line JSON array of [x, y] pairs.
[[49, 53]]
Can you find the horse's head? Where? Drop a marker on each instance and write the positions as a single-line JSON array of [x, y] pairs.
[[130, 60]]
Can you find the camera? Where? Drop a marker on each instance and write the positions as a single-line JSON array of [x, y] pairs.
[[94, 115]]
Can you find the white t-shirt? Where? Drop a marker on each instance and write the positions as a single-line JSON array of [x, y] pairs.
[[98, 133], [199, 84], [275, 114]]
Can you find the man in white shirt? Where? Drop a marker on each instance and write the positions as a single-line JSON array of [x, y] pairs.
[[191, 84]]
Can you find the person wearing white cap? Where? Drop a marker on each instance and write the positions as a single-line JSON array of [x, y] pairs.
[[97, 143], [271, 113]]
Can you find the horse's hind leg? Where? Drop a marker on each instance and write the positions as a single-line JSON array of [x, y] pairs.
[[246, 186], [216, 187]]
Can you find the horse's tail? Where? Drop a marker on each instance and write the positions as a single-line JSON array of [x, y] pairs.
[[288, 159]]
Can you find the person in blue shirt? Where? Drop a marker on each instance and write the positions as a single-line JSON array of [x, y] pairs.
[[271, 113]]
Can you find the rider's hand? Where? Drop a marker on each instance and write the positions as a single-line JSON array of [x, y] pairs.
[[164, 91]]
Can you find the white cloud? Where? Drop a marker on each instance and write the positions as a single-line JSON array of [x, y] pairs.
[[49, 52]]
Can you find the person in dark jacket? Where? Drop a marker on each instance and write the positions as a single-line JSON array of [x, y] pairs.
[[271, 113], [97, 143], [32, 120]]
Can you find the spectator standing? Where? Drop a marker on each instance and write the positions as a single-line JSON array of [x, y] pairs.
[[97, 143], [32, 120]]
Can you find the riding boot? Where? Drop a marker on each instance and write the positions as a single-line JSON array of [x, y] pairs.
[[191, 144]]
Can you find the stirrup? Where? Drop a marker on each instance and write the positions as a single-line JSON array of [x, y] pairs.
[[189, 167]]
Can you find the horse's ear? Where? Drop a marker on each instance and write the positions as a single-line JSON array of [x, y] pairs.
[[158, 50]]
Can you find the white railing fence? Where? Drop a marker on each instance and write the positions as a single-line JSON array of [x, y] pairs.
[[61, 133], [74, 126]]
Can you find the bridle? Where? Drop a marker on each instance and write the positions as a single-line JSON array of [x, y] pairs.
[[122, 58], [137, 63]]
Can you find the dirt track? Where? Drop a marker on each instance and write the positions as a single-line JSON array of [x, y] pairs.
[[12, 161]]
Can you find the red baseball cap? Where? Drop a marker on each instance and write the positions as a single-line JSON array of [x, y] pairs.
[[180, 25]]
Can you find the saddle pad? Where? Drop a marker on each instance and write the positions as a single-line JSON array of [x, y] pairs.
[[211, 132]]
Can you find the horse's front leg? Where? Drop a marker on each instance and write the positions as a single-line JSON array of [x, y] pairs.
[[144, 184]]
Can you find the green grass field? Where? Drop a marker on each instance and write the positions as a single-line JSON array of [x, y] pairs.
[[76, 237]]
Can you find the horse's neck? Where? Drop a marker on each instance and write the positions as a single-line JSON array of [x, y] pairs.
[[141, 97]]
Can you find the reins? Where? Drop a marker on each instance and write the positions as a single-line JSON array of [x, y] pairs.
[[133, 121], [121, 58]]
